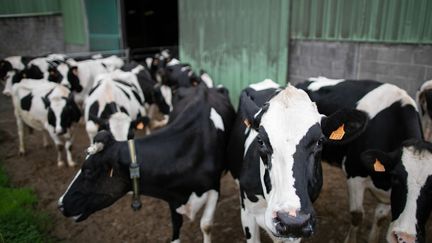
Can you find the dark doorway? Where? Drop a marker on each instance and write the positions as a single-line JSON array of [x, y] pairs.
[[150, 26]]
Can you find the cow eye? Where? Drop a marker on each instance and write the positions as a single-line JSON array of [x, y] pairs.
[[260, 142]]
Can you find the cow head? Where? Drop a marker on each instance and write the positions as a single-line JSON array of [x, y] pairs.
[[289, 133], [100, 182], [119, 123], [62, 109], [410, 168], [66, 74]]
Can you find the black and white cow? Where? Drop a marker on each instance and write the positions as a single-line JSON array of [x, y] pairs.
[[8, 67], [186, 173], [410, 168], [424, 101], [393, 118], [115, 103], [274, 153], [46, 106]]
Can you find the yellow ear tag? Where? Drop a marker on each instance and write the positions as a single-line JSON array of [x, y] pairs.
[[247, 123], [378, 167], [140, 126], [338, 133]]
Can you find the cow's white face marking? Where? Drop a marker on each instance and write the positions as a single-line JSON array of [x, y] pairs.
[[217, 119], [119, 124], [265, 84], [383, 97], [418, 166], [281, 122], [8, 85], [207, 80], [60, 201], [319, 82]]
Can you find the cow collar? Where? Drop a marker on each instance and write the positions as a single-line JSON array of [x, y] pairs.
[[134, 175]]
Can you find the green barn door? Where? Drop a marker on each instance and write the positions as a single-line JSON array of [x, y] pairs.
[[236, 42], [103, 24]]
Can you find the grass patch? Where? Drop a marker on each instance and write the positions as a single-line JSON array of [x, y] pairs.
[[19, 222]]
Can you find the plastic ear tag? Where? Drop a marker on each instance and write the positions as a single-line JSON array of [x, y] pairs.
[[247, 123], [338, 133], [378, 167], [140, 126]]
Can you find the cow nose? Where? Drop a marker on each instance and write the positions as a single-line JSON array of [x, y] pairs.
[[402, 237], [59, 131], [293, 225]]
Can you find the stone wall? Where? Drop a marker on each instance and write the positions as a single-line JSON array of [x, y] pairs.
[[407, 66]]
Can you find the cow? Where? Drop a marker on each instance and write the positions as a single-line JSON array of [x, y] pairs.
[[87, 71], [274, 155], [186, 173], [393, 119], [46, 106], [424, 101], [115, 103], [410, 168]]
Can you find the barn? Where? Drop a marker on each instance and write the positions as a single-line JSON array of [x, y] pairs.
[[237, 43]]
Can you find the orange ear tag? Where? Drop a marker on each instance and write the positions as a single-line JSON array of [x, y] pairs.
[[378, 167], [247, 123], [338, 133], [140, 126]]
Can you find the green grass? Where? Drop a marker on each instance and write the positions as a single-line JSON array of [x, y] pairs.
[[19, 222]]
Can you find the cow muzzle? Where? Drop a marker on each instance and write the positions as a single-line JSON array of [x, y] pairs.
[[402, 237], [293, 225], [60, 131]]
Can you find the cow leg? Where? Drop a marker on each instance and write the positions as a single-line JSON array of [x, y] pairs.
[[356, 189], [250, 227], [45, 140], [20, 127], [177, 221], [59, 146], [381, 212], [68, 147], [206, 222]]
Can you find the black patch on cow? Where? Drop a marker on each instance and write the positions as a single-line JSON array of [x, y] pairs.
[[110, 108], [418, 145], [74, 80], [33, 72], [122, 109], [247, 233], [51, 117], [54, 75], [5, 67], [265, 148], [26, 102], [94, 88], [70, 113], [124, 92], [307, 166], [122, 82], [267, 181], [423, 208], [399, 190], [94, 110], [137, 96]]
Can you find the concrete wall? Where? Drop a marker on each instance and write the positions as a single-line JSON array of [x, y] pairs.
[[407, 66], [32, 36]]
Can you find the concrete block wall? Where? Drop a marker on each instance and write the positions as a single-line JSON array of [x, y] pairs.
[[407, 66], [33, 36]]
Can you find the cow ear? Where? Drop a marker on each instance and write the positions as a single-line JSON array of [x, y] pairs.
[[74, 79], [140, 123], [344, 126], [376, 161], [249, 111]]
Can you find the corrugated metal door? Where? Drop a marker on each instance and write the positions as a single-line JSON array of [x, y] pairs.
[[103, 24], [236, 42]]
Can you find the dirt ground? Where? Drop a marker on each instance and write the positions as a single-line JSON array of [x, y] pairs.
[[118, 223]]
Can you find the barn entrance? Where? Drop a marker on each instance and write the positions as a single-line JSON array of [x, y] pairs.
[[150, 26]]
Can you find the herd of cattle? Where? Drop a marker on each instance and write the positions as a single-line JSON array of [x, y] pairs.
[[272, 146]]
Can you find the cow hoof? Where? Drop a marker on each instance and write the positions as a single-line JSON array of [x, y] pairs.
[[60, 163], [72, 164]]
